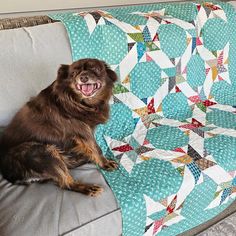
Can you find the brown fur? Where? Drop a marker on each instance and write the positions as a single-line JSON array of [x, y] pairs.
[[54, 131]]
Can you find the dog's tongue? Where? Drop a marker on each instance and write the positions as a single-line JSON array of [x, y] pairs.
[[87, 89]]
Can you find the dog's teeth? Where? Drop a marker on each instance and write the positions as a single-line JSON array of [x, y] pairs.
[[95, 86]]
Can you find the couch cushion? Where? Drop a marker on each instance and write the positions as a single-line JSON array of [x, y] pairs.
[[29, 61], [45, 209]]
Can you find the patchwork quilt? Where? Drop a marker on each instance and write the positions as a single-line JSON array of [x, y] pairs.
[[173, 114]]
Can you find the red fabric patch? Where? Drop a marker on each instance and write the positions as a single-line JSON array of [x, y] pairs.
[[151, 107], [124, 148], [196, 123], [179, 150], [208, 103]]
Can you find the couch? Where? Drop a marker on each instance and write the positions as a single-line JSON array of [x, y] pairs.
[[29, 60]]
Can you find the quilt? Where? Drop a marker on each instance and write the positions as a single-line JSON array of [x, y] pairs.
[[172, 125]]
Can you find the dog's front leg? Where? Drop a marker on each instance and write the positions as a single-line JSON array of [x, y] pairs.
[[107, 164], [90, 148]]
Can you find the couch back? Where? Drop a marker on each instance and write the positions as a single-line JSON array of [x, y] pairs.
[[29, 60]]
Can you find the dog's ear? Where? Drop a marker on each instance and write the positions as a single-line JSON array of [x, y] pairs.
[[111, 74], [63, 72]]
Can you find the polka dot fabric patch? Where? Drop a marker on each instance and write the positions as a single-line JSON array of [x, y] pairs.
[[173, 40], [173, 112], [145, 79]]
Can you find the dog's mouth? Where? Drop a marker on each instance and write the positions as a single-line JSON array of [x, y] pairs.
[[88, 89]]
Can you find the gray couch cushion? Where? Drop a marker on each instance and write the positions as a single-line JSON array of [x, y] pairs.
[[44, 209], [29, 60]]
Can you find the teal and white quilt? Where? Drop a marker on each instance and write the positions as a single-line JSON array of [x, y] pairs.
[[173, 114]]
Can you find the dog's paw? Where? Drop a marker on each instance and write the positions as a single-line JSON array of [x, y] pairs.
[[93, 190], [110, 165]]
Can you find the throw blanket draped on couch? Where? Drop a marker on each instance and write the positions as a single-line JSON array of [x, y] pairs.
[[173, 138]]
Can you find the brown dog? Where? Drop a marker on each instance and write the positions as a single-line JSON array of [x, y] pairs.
[[54, 131]]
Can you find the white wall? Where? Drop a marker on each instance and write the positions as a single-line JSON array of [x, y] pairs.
[[12, 6]]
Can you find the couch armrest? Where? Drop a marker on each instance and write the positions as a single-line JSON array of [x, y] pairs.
[[11, 23]]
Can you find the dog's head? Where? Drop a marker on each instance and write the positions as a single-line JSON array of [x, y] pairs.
[[88, 78]]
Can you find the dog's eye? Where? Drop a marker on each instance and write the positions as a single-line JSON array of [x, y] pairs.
[[74, 74], [96, 70]]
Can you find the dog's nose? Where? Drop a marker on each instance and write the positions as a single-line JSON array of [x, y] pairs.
[[84, 78]]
